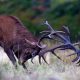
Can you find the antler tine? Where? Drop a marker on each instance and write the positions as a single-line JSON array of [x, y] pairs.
[[53, 32], [67, 32], [71, 46], [42, 56], [78, 56], [39, 59], [49, 26], [71, 54], [66, 29], [42, 52], [63, 46], [78, 43], [33, 55], [45, 32], [43, 46], [76, 59], [55, 55], [41, 38], [43, 59]]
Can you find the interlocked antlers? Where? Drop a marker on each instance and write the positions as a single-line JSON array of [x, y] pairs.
[[17, 40], [65, 39]]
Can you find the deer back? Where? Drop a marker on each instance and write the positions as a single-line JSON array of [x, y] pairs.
[[12, 29]]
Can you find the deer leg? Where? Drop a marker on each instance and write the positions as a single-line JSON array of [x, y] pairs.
[[10, 54], [23, 58], [23, 65]]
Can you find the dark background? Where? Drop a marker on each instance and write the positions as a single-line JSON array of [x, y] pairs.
[[34, 12]]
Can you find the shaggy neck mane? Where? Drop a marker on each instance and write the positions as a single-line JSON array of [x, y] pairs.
[[22, 30]]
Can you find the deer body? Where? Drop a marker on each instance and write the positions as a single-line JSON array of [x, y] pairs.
[[14, 37], [17, 40]]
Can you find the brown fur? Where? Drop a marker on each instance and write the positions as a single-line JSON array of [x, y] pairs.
[[13, 34]]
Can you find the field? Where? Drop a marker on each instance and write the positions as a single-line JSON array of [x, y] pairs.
[[56, 70]]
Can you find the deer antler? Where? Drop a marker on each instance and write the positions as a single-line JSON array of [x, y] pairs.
[[67, 44], [60, 34], [47, 34]]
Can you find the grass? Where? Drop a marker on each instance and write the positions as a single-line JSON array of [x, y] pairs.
[[56, 70]]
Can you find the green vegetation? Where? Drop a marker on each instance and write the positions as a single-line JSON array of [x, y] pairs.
[[60, 12], [55, 71]]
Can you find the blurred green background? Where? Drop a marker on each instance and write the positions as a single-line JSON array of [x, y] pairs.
[[34, 12]]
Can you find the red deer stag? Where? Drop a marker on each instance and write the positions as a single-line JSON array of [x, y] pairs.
[[17, 40]]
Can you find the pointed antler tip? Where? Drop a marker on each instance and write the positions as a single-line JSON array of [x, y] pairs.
[[46, 22]]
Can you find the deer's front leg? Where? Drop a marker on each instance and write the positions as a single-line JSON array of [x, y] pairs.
[[10, 54]]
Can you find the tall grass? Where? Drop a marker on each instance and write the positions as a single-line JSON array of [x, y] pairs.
[[56, 70]]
